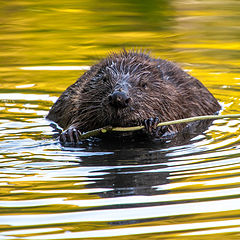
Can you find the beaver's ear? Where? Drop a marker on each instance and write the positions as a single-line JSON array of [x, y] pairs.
[[160, 71]]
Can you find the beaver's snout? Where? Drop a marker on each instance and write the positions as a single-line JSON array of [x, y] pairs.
[[119, 99]]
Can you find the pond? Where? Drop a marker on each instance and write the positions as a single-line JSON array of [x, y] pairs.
[[102, 190]]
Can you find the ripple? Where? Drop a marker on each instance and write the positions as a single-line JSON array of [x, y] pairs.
[[122, 214], [186, 189], [146, 230]]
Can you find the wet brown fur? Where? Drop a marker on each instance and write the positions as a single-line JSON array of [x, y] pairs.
[[157, 88]]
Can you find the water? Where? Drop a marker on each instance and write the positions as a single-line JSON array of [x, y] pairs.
[[103, 191]]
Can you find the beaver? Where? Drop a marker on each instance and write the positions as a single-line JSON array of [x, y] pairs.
[[131, 88]]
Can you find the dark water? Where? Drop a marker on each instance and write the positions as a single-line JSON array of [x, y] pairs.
[[107, 191]]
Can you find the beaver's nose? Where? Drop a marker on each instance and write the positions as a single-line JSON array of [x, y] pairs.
[[119, 99]]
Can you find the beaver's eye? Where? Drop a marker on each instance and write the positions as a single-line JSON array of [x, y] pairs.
[[104, 78], [101, 77], [144, 85]]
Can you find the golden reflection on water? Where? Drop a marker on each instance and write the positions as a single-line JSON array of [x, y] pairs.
[[173, 192]]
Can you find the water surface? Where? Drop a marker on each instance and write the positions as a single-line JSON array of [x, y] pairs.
[[102, 190]]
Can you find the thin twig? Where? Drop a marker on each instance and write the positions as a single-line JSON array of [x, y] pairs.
[[126, 129]]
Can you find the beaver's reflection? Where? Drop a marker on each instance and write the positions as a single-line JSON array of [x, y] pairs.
[[136, 168], [128, 172]]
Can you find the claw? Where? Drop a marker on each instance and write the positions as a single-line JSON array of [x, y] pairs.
[[155, 122], [148, 124], [152, 128], [163, 129], [63, 137], [77, 134], [70, 136]]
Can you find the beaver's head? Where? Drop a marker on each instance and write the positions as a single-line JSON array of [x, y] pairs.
[[126, 89]]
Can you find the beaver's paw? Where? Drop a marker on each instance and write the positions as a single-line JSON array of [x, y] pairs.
[[70, 136], [152, 129]]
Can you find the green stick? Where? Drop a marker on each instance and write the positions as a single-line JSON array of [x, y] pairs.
[[184, 120]]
